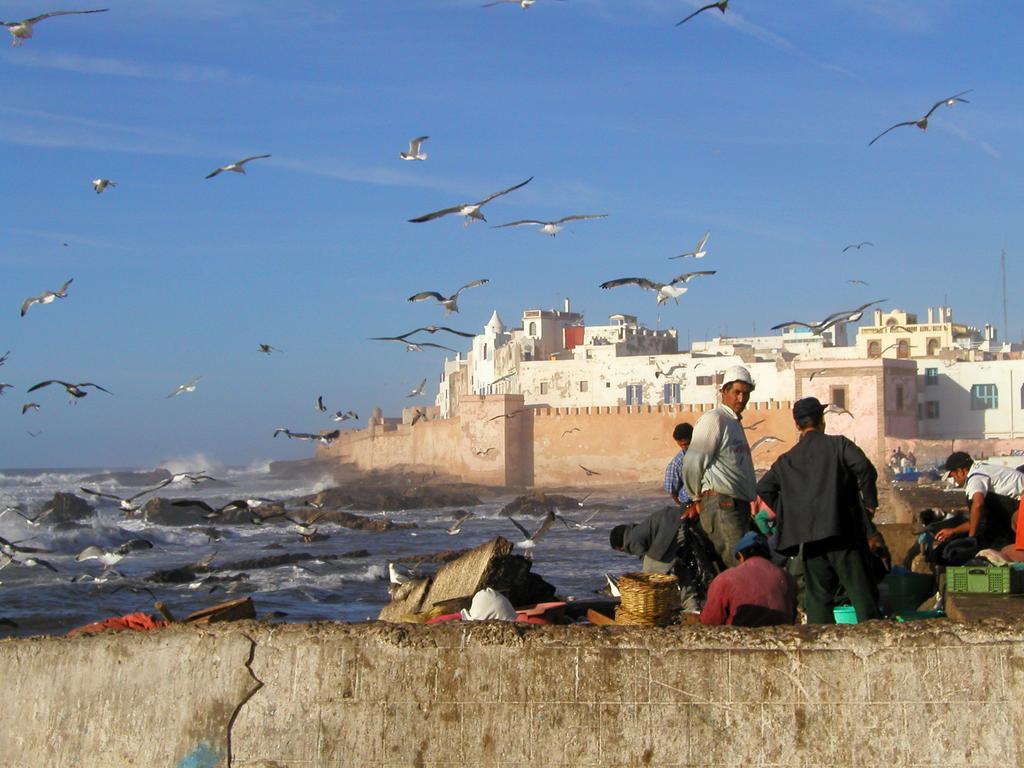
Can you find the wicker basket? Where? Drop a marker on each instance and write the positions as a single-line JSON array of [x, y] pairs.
[[652, 598]]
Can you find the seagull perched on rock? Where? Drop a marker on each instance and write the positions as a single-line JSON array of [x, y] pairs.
[[450, 303], [414, 152], [22, 30], [922, 122], [188, 386], [100, 185], [75, 390], [665, 291], [396, 576], [698, 252], [551, 228], [468, 210], [720, 5], [237, 167], [47, 297]]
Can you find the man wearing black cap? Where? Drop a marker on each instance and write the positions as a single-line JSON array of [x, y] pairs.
[[994, 493], [820, 490]]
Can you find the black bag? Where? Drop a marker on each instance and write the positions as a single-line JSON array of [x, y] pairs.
[[696, 562]]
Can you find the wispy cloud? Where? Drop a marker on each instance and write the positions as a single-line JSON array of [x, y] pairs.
[[95, 65], [963, 135], [905, 16]]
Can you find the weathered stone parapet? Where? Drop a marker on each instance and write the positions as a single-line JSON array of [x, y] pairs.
[[479, 694]]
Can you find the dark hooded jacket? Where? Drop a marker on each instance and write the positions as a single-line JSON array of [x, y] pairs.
[[819, 489], [656, 535]]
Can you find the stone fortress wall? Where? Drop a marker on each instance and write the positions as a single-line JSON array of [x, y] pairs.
[[373, 695]]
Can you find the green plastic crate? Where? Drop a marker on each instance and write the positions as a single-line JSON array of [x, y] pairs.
[[984, 579]]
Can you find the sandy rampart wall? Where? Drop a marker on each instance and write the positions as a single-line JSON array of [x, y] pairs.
[[374, 695], [628, 444]]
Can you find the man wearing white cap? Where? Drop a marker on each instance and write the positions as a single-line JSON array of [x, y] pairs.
[[718, 471]]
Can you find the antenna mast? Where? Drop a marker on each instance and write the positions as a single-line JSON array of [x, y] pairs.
[[1006, 323]]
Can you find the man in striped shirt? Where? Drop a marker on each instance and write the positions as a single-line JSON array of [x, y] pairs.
[[674, 471]]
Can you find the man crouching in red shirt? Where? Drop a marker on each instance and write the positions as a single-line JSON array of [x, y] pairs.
[[755, 593]]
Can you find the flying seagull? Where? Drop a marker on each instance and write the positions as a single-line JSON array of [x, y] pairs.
[[468, 210], [456, 527], [111, 557], [509, 415], [414, 152], [22, 30], [532, 539], [5, 386], [665, 291], [658, 372], [237, 167], [570, 431], [47, 297], [188, 386], [417, 391], [846, 316], [766, 440], [450, 303], [720, 5], [590, 472], [325, 438], [20, 512], [856, 282], [3, 357], [319, 404], [483, 451], [266, 349], [524, 4], [126, 504], [100, 185], [551, 227], [339, 416], [75, 390], [29, 407], [412, 346], [922, 122], [698, 252], [837, 409], [858, 246]]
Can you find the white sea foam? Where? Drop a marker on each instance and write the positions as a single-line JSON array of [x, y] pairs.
[[194, 463]]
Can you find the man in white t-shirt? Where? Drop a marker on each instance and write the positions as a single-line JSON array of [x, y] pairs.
[[993, 492]]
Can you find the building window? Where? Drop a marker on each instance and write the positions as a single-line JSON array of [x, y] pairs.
[[485, 350], [931, 376], [584, 386], [984, 397], [705, 381], [672, 394], [933, 347], [634, 394], [874, 349], [931, 409], [533, 329], [899, 397], [903, 349], [837, 396], [543, 387]]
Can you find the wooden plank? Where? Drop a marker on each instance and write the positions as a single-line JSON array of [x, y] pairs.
[[600, 619], [962, 606], [233, 610]]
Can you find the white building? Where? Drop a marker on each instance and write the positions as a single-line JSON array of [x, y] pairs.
[[971, 399]]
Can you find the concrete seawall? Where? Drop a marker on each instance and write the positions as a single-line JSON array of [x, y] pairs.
[[491, 694]]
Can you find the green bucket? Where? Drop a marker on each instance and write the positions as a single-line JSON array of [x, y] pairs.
[[845, 614]]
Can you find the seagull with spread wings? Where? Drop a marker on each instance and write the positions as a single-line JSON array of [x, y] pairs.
[[766, 440], [665, 291], [418, 390], [127, 504], [237, 166], [922, 122], [551, 228], [524, 4], [22, 30], [469, 211], [414, 152], [266, 349], [188, 386], [845, 316], [75, 390], [720, 5], [46, 297], [456, 528], [111, 557], [858, 246], [101, 185], [450, 303], [532, 539], [412, 346], [697, 253], [339, 416]]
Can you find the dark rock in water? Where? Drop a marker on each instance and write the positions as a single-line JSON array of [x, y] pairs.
[[347, 519], [537, 503], [67, 508], [368, 495], [161, 511], [188, 573], [182, 575], [273, 546], [129, 479]]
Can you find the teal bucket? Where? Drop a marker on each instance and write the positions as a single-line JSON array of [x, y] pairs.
[[845, 614]]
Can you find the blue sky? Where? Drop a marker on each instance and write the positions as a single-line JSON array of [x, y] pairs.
[[754, 125]]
